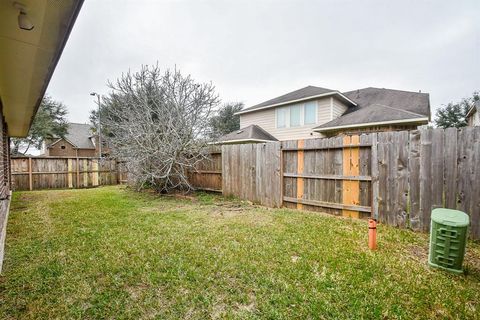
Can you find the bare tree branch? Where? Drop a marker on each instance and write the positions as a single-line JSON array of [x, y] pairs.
[[158, 123]]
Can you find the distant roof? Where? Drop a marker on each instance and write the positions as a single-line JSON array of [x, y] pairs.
[[252, 133], [306, 93], [79, 135]]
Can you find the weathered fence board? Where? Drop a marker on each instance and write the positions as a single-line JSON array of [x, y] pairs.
[[397, 177], [242, 167], [208, 173], [37, 173], [415, 221]]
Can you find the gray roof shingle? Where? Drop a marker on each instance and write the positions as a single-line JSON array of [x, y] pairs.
[[372, 114], [250, 133], [416, 102], [380, 105]]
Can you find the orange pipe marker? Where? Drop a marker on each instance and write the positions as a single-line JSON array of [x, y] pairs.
[[372, 234]]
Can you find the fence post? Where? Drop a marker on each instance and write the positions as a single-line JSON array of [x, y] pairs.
[[281, 175], [70, 174], [300, 166], [78, 173], [351, 189], [30, 175], [95, 172], [375, 189], [85, 172]]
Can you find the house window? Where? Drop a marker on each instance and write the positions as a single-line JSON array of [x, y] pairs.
[[282, 115], [62, 147], [296, 115], [310, 113]]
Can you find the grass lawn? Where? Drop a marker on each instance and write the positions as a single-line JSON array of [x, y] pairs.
[[111, 253]]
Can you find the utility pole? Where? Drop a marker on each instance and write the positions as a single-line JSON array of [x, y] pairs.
[[99, 126]]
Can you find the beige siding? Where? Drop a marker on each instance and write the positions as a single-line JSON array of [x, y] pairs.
[[474, 119], [338, 108], [326, 107]]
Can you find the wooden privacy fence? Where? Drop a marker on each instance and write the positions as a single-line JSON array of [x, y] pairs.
[[397, 177], [35, 173]]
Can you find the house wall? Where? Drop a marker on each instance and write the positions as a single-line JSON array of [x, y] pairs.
[[338, 108], [474, 119], [87, 153], [68, 150], [327, 109], [4, 184]]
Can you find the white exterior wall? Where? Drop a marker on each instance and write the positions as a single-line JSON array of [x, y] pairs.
[[327, 109], [474, 120]]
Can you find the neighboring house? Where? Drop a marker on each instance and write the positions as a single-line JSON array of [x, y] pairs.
[[473, 115], [78, 142], [28, 58], [313, 112]]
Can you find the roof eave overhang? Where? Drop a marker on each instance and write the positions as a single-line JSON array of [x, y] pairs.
[[20, 123], [242, 141], [323, 95], [471, 110], [379, 123]]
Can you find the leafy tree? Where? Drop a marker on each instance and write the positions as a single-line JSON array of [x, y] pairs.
[[49, 122], [225, 121], [455, 114]]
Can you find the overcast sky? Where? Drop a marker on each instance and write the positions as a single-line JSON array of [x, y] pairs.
[[256, 50]]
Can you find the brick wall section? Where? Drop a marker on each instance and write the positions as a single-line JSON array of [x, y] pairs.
[[4, 184]]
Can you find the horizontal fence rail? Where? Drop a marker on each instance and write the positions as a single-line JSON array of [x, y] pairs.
[[397, 177]]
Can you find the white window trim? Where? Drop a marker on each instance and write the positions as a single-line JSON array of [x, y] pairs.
[[302, 115]]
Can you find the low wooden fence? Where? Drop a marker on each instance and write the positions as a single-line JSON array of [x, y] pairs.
[[35, 173], [397, 177]]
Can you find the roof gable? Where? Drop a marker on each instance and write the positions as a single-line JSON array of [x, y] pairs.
[[251, 133]]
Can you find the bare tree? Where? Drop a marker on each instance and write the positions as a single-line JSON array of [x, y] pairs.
[[157, 123]]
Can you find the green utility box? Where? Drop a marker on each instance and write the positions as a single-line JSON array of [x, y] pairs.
[[448, 239]]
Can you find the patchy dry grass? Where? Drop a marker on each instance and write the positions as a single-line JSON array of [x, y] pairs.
[[111, 253]]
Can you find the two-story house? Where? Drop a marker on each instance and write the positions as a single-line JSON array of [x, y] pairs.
[[314, 112]]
